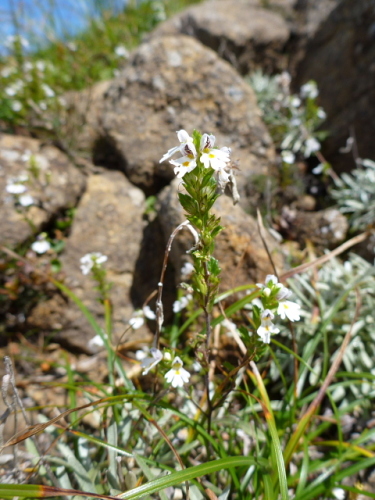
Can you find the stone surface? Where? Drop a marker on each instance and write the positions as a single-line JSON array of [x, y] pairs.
[[172, 83], [242, 32], [108, 220], [239, 248], [341, 58], [56, 185], [325, 228]]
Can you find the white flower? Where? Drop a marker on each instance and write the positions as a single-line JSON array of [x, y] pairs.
[[137, 320], [7, 71], [72, 46], [40, 66], [186, 146], [16, 106], [288, 310], [183, 165], [288, 156], [41, 246], [26, 200], [218, 159], [295, 102], [150, 361], [319, 169], [149, 313], [180, 304], [95, 342], [270, 280], [321, 114], [187, 269], [283, 293], [89, 260], [177, 376], [311, 145], [309, 90], [15, 188], [267, 327], [339, 493], [47, 90], [121, 51]]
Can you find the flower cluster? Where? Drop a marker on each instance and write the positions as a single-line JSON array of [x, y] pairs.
[[177, 376], [139, 317], [16, 187], [274, 299], [209, 156], [91, 260]]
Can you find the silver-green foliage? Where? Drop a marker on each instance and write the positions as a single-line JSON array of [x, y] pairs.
[[355, 195], [329, 300]]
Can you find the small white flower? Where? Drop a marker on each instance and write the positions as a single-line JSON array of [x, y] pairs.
[[16, 106], [177, 376], [309, 90], [295, 102], [217, 159], [150, 361], [289, 310], [321, 114], [149, 313], [137, 320], [26, 200], [288, 157], [89, 260], [180, 304], [41, 246], [270, 280], [183, 165], [339, 493], [283, 293], [95, 342], [47, 90], [121, 51], [311, 145], [72, 46], [16, 188], [7, 71], [27, 66], [267, 327], [187, 269], [40, 66], [186, 146]]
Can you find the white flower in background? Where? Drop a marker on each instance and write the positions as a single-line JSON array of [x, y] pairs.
[[89, 260], [288, 156], [72, 46], [27, 66], [187, 269], [150, 361], [186, 146], [180, 304], [121, 51], [137, 320], [41, 245], [42, 105], [309, 90], [311, 146], [26, 200], [149, 313], [47, 90], [12, 39], [321, 114], [267, 327], [270, 281], [295, 102], [217, 159], [289, 310], [177, 376], [40, 66], [16, 106], [339, 493], [96, 342], [7, 71], [14, 187]]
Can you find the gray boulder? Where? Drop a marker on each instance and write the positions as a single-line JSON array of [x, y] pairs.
[[341, 58], [241, 32], [173, 83]]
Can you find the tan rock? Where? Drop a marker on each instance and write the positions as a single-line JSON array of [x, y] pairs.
[[53, 182]]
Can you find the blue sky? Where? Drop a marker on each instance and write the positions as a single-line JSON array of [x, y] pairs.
[[38, 16]]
